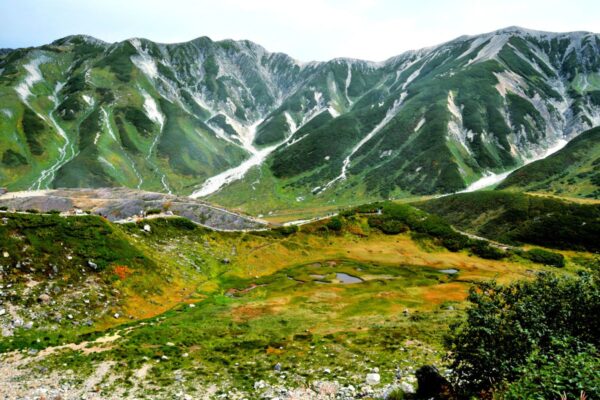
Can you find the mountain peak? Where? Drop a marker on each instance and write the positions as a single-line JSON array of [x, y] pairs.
[[79, 38]]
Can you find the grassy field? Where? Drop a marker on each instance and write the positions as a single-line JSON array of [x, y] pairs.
[[227, 308]]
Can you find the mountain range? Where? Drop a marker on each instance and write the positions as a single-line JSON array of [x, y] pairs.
[[234, 123]]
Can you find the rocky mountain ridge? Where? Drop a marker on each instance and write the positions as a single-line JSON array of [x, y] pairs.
[[230, 120]]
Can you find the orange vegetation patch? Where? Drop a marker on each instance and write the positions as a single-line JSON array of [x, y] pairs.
[[247, 312], [454, 291], [273, 350], [122, 271]]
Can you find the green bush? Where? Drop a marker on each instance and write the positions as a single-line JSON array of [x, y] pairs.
[[506, 325], [393, 227], [484, 250], [286, 230], [516, 218], [548, 376], [335, 224], [545, 257], [11, 158], [33, 128]]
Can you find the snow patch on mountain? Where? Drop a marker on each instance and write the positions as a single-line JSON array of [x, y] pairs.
[[490, 178], [33, 76], [66, 151], [151, 109], [106, 163], [420, 124], [215, 183], [143, 60], [456, 129], [290, 122], [490, 50], [508, 81], [474, 44], [107, 123], [390, 114], [412, 77], [88, 99], [348, 82]]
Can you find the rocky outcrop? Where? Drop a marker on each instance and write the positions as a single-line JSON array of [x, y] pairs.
[[122, 204]]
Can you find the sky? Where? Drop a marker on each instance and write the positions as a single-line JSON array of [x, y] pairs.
[[307, 29]]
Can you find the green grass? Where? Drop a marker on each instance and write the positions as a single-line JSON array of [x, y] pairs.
[[572, 170], [520, 218], [260, 298]]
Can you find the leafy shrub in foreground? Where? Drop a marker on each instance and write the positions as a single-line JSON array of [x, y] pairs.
[[506, 325], [550, 376]]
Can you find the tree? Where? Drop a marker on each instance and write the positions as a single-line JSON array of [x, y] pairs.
[[505, 325]]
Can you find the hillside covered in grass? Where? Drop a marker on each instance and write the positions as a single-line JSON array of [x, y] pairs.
[[572, 171], [175, 307], [521, 218]]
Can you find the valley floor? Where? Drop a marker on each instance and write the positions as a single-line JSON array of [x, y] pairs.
[[282, 315]]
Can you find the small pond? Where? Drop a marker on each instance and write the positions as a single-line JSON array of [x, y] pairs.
[[345, 278], [449, 271]]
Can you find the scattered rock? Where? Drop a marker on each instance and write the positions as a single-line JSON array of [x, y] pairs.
[[44, 298], [277, 367], [92, 265], [5, 254], [373, 378], [2, 311], [117, 315], [147, 228], [407, 388], [260, 385]]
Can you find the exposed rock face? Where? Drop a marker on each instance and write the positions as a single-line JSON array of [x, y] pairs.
[[204, 117], [121, 204]]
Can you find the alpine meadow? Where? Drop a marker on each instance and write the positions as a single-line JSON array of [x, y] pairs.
[[211, 220]]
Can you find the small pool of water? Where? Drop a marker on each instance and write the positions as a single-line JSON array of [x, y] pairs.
[[345, 278], [449, 271]]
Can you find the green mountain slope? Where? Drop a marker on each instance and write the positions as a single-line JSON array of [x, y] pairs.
[[573, 170], [261, 130], [521, 218]]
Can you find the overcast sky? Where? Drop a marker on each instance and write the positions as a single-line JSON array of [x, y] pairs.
[[306, 29]]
